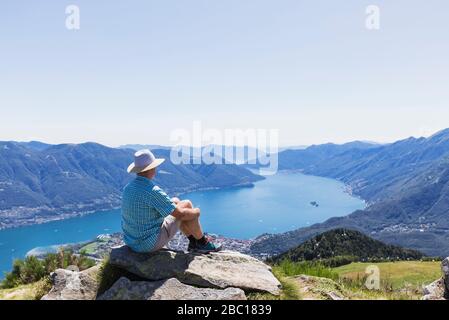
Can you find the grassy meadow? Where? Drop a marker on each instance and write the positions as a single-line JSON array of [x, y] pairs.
[[398, 275]]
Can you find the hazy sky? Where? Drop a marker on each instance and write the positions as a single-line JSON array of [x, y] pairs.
[[137, 70]]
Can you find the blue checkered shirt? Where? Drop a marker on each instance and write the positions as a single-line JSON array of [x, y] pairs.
[[144, 207]]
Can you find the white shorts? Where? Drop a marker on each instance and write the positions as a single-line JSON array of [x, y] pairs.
[[169, 228]]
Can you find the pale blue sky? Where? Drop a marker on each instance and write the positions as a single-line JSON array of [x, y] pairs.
[[137, 70]]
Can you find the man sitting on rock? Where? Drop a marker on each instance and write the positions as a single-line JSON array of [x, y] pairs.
[[150, 219]]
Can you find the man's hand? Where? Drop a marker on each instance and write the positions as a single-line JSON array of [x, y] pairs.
[[175, 200], [184, 211]]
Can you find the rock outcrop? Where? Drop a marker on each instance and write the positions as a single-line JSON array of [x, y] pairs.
[[170, 289], [439, 289], [220, 270], [73, 285], [167, 275]]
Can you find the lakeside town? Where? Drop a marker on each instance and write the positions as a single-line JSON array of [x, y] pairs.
[[100, 247]]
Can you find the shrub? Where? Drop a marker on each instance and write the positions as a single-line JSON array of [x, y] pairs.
[[32, 269], [338, 261], [42, 288], [12, 279]]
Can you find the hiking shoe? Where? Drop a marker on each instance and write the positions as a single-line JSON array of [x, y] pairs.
[[205, 247], [191, 246]]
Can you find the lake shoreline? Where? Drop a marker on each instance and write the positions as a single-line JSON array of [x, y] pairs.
[[77, 214], [347, 188], [42, 219]]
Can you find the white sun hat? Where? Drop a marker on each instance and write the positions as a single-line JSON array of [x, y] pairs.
[[144, 160]]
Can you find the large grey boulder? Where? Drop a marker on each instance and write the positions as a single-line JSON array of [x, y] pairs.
[[215, 270], [73, 285], [170, 289]]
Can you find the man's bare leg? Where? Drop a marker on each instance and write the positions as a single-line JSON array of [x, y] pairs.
[[191, 227]]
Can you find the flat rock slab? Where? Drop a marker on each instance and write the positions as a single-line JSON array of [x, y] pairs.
[[73, 285], [170, 289], [215, 270]]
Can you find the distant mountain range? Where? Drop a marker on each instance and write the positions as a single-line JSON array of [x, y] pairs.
[[347, 244], [231, 154], [144, 146], [41, 182], [406, 184]]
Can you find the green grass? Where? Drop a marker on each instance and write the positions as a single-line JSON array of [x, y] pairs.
[[289, 290], [90, 248], [400, 275], [316, 269], [32, 291], [285, 270], [22, 292]]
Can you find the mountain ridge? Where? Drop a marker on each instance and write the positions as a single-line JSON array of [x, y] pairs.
[[406, 186], [65, 180], [347, 243]]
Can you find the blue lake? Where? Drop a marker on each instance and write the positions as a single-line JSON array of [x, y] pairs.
[[277, 204]]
